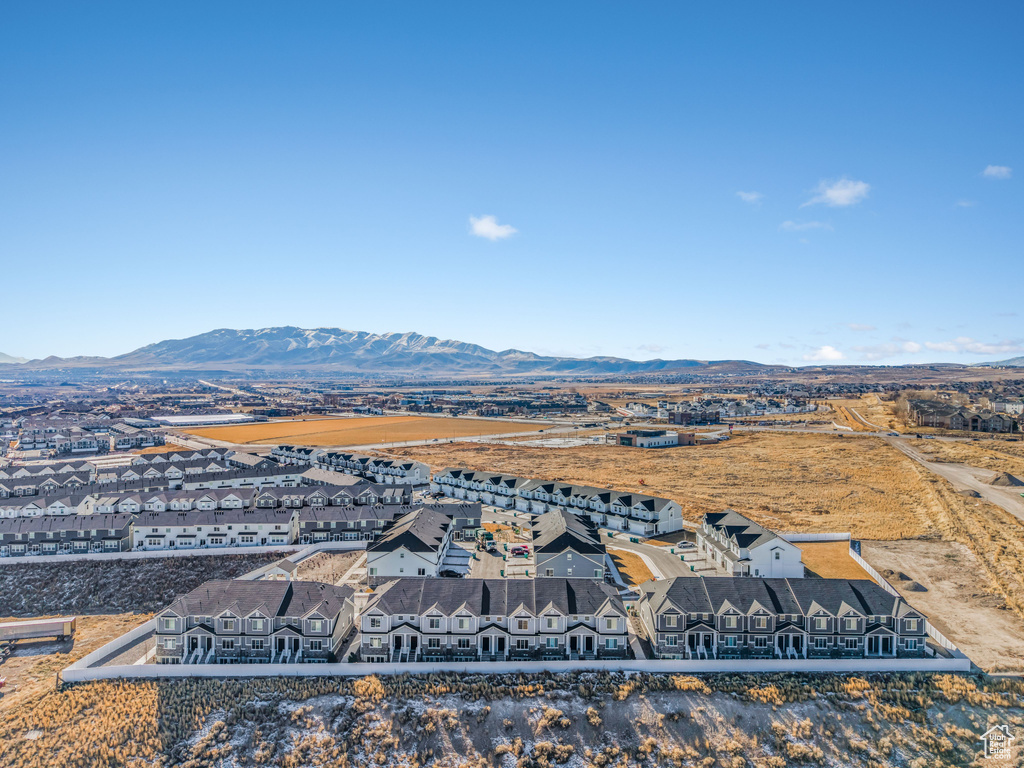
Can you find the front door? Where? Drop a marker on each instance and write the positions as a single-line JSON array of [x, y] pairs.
[[574, 644], [588, 643], [193, 644], [501, 645], [280, 644], [874, 645], [485, 644], [296, 644], [398, 642], [887, 644]]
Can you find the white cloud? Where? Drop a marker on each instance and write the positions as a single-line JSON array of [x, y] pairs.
[[860, 327], [965, 203], [488, 226], [653, 348], [762, 346], [750, 197], [802, 226], [966, 345], [824, 354], [890, 349], [997, 172], [839, 194]]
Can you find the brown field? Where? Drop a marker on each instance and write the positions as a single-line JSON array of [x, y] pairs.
[[161, 449], [31, 671], [831, 560], [361, 431], [997, 455], [789, 482], [631, 567]]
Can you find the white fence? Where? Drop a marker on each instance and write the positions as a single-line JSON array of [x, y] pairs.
[[798, 537], [150, 671], [136, 554]]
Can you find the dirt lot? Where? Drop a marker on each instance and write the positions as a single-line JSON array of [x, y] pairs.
[[30, 670], [788, 482], [994, 455], [327, 567], [362, 431], [831, 560], [958, 599]]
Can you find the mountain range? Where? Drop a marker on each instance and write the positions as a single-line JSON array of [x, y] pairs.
[[334, 350]]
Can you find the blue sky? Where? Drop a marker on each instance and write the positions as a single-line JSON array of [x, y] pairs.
[[564, 178]]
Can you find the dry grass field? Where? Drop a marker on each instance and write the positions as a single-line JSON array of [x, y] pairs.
[[168, 448], [631, 567], [536, 721], [831, 560], [789, 482], [996, 455], [361, 431]]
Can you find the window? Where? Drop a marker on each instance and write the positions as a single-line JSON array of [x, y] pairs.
[[433, 642], [730, 641], [910, 643], [552, 642], [373, 571], [549, 571], [462, 623], [523, 624], [551, 623], [375, 642], [421, 571], [229, 625], [611, 643], [169, 643], [760, 642], [523, 644], [375, 622], [820, 643], [463, 642], [316, 625], [569, 556], [598, 573], [611, 624], [433, 623], [316, 645], [670, 621], [820, 623], [849, 624], [671, 640], [257, 644], [912, 625], [760, 622], [257, 625], [730, 622], [167, 625], [227, 645], [851, 643], [778, 555]]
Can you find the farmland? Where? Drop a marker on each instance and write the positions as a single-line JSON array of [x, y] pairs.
[[788, 482], [362, 431]]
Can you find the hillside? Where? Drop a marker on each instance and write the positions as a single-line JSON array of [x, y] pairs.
[[7, 359]]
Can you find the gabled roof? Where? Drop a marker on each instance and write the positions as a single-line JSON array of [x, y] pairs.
[[421, 530], [272, 598], [559, 530]]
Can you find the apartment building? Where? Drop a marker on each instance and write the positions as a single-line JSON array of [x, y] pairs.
[[635, 513], [255, 622], [740, 547], [191, 529], [493, 620], [65, 534], [722, 617]]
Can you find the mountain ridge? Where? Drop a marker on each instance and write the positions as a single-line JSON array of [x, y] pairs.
[[343, 351]]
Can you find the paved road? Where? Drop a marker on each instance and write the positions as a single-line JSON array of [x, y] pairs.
[[664, 561], [973, 478]]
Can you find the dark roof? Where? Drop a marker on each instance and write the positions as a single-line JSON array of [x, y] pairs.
[[271, 598], [421, 530], [559, 530], [493, 597]]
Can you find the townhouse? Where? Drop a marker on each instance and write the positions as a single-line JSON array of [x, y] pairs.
[[182, 456], [493, 620], [255, 622], [740, 547], [362, 523], [380, 470], [60, 535], [621, 511], [361, 491], [722, 617], [565, 546], [196, 528], [286, 477], [416, 543], [38, 506]]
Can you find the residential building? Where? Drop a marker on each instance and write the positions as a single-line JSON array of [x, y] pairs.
[[255, 622], [722, 617], [740, 547], [493, 620], [197, 528], [65, 534], [566, 546], [416, 543]]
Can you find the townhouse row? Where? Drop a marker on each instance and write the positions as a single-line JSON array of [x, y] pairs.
[[622, 511], [724, 617], [206, 527], [374, 468]]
